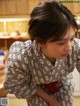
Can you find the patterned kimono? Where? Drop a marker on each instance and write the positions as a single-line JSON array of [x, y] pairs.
[[29, 69]]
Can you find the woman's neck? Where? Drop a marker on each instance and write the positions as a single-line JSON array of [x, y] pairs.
[[52, 60]]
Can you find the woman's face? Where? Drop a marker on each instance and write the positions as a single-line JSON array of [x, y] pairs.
[[59, 49]]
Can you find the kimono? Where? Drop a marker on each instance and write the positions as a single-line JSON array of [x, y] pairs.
[[28, 69]]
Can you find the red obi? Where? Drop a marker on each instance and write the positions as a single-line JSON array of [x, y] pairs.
[[53, 86]]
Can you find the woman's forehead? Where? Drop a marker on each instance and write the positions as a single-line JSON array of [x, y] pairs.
[[70, 33]]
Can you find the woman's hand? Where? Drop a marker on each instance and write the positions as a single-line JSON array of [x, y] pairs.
[[50, 101], [53, 102]]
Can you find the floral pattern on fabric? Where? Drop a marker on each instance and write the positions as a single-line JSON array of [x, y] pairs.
[[28, 69]]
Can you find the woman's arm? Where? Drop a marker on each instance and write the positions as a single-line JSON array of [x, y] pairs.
[[51, 101], [18, 80]]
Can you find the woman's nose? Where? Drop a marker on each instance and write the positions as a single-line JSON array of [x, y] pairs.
[[68, 46]]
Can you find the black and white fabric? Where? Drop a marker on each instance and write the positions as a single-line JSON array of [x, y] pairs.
[[28, 68]]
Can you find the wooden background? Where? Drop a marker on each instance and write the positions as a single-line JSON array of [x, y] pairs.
[[24, 7], [17, 7]]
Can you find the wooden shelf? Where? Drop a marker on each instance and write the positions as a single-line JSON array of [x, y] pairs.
[[7, 42], [17, 37], [4, 37]]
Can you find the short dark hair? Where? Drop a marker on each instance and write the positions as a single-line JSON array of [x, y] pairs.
[[50, 20]]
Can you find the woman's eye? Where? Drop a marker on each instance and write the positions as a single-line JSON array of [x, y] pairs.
[[62, 43]]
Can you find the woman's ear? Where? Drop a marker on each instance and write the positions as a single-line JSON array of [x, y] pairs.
[[38, 40]]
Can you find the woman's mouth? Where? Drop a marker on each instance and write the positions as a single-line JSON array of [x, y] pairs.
[[64, 55]]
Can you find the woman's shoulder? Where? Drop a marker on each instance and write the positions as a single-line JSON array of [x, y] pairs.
[[76, 47], [20, 46], [77, 42], [19, 49]]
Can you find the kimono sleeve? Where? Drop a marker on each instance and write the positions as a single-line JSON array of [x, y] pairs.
[[18, 79]]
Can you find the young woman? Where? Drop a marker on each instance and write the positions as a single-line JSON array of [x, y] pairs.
[[40, 69]]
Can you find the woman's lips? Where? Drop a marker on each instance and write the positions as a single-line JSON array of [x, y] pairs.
[[64, 55]]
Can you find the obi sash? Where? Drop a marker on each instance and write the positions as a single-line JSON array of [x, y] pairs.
[[53, 86]]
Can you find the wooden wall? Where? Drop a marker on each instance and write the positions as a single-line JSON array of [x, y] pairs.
[[17, 7], [24, 7], [74, 7]]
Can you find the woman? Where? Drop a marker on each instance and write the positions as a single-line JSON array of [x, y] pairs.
[[40, 69]]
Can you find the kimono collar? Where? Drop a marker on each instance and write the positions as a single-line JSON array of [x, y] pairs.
[[41, 68]]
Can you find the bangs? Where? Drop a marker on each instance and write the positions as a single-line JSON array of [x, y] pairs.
[[60, 33]]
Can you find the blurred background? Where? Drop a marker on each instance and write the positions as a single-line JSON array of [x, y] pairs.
[[14, 18]]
